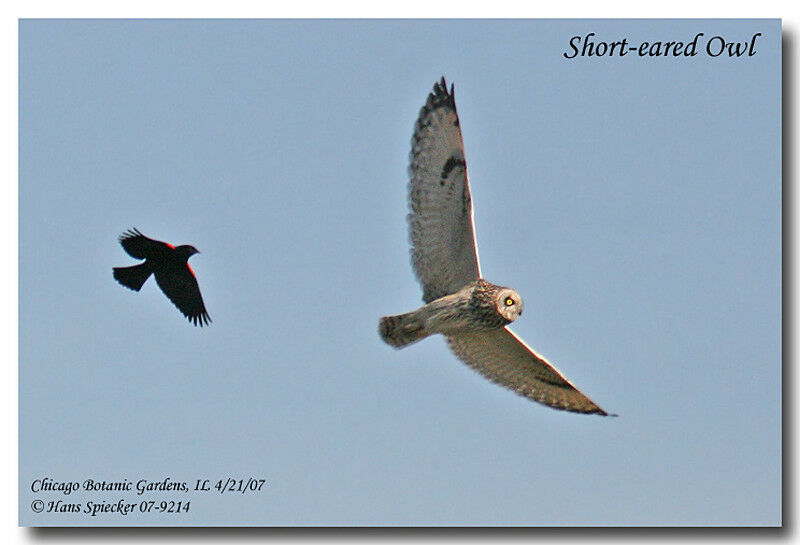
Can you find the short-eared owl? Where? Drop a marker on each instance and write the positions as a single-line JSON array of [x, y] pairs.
[[470, 312], [170, 266]]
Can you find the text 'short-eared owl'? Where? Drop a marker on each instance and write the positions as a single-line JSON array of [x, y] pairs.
[[470, 312]]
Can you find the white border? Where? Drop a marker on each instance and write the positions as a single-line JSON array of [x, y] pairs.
[[12, 11]]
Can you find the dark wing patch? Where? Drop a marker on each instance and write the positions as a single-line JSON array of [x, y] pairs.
[[504, 358], [139, 246], [181, 287], [452, 163]]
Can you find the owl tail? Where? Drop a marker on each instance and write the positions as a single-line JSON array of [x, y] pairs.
[[402, 330]]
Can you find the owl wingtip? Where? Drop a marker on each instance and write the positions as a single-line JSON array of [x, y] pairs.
[[441, 85], [440, 96]]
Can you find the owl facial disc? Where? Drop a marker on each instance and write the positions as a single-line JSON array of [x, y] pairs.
[[509, 304]]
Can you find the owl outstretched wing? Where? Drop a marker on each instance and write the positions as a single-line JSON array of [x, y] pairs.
[[504, 358], [443, 250]]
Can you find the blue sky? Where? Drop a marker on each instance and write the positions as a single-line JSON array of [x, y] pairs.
[[634, 203]]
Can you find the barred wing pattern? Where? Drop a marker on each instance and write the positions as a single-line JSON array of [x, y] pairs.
[[504, 358], [443, 250]]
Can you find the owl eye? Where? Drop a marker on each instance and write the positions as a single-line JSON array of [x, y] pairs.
[[509, 301]]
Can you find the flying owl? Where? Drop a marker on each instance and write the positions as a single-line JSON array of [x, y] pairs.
[[169, 264], [470, 312]]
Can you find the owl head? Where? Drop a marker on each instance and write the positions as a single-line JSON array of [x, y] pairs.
[[508, 304]]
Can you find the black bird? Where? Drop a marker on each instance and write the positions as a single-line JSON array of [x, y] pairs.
[[170, 266]]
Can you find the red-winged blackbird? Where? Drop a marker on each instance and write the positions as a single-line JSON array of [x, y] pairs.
[[172, 271]]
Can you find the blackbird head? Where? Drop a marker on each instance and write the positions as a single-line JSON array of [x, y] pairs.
[[186, 251]]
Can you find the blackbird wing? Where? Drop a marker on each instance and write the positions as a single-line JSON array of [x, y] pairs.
[[180, 286], [139, 246]]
